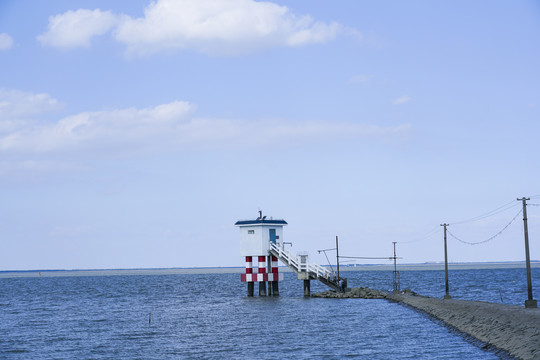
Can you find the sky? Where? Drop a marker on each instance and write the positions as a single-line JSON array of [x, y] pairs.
[[134, 134]]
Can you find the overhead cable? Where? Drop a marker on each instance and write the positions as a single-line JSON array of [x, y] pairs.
[[498, 210], [423, 237], [489, 239], [366, 257]]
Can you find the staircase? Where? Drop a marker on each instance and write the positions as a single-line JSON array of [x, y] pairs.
[[302, 268]]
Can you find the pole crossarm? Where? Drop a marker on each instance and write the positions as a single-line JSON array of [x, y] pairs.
[[326, 256]]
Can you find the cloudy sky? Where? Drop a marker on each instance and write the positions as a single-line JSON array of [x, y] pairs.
[[135, 133]]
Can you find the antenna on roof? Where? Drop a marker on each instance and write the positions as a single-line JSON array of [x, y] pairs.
[[260, 215]]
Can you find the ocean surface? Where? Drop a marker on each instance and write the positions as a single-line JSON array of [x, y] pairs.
[[209, 316]]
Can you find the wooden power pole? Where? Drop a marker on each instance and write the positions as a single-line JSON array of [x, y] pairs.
[[447, 288], [396, 284], [530, 302], [337, 258]]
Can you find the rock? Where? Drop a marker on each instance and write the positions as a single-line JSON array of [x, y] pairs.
[[355, 293]]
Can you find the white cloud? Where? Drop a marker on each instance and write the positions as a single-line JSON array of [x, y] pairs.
[[16, 103], [18, 108], [98, 128], [401, 100], [6, 41], [211, 26], [76, 28], [166, 126], [220, 26]]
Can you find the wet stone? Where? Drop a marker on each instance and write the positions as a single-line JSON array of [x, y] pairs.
[[354, 293]]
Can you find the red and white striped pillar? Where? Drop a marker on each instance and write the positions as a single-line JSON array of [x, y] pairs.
[[249, 268], [248, 276], [274, 276], [262, 276], [267, 271], [274, 268]]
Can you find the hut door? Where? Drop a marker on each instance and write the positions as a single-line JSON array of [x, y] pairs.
[[273, 235]]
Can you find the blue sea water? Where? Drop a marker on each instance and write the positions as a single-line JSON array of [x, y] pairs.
[[210, 317]]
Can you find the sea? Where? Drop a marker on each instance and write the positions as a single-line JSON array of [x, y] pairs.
[[103, 315]]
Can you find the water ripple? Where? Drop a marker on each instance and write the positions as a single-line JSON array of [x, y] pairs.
[[209, 317]]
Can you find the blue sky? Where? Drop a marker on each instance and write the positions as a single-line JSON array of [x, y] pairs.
[[135, 133]]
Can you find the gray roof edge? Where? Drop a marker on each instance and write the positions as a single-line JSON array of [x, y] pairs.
[[260, 222]]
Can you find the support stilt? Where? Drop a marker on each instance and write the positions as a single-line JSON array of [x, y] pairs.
[[249, 272], [273, 269], [269, 271], [307, 288], [262, 288], [275, 288]]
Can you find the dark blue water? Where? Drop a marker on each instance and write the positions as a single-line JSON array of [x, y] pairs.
[[489, 285], [209, 317]]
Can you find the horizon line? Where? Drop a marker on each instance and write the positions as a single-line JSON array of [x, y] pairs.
[[281, 266]]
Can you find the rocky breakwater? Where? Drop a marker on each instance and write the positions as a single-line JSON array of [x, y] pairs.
[[508, 327], [356, 293]]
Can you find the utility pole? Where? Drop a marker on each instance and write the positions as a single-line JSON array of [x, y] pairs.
[[396, 274], [530, 302], [447, 294], [337, 257]]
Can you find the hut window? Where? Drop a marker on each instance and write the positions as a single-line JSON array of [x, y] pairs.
[[251, 232]]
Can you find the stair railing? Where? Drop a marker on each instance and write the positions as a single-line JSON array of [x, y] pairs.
[[313, 269]]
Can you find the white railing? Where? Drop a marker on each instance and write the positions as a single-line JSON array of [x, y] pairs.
[[294, 262]]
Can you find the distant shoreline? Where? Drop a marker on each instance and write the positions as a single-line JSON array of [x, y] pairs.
[[239, 270]]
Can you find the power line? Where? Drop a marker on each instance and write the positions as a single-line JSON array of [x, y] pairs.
[[489, 239], [348, 261], [498, 210], [367, 257], [422, 237]]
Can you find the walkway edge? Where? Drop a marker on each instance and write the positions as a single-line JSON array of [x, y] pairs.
[[507, 327]]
